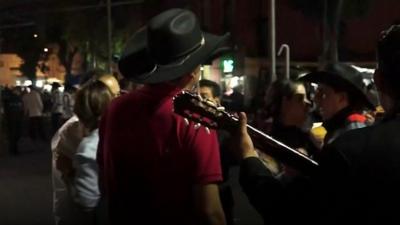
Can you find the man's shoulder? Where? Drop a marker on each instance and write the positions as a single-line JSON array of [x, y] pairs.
[[357, 140], [123, 102]]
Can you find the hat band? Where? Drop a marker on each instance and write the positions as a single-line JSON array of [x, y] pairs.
[[177, 63]]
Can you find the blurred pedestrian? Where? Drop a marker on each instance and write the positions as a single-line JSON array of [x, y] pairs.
[[57, 109], [33, 107]]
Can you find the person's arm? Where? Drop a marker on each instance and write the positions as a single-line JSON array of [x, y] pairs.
[[64, 165], [85, 188], [64, 145], [265, 193], [208, 205]]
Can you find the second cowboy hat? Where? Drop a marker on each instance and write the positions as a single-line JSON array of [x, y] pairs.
[[170, 46], [345, 77]]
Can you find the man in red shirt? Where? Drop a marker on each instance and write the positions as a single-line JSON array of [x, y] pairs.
[[155, 166]]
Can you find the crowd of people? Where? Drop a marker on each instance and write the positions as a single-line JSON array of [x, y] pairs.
[[30, 106], [124, 155]]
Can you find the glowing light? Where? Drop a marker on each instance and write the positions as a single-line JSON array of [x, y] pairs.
[[45, 49], [35, 35], [234, 82], [47, 87], [27, 83], [39, 83], [228, 66]]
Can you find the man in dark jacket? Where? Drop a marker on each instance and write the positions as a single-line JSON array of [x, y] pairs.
[[340, 98], [358, 180]]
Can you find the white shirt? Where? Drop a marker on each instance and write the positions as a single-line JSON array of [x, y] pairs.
[[66, 141], [68, 105], [85, 187], [57, 101], [33, 104]]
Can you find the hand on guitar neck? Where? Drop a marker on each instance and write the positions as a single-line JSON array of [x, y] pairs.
[[244, 148]]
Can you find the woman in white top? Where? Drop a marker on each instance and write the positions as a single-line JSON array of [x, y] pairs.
[[81, 178]]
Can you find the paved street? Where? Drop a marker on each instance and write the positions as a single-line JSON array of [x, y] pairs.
[[25, 186], [26, 194]]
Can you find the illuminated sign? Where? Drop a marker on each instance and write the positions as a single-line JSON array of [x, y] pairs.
[[227, 65]]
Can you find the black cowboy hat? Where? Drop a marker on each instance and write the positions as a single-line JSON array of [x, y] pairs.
[[344, 77], [170, 46]]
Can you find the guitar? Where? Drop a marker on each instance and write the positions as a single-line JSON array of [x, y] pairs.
[[206, 113]]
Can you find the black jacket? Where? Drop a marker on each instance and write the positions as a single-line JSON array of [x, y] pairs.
[[358, 182], [342, 122]]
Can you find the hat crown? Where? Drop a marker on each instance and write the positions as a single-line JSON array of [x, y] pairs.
[[345, 71], [172, 35]]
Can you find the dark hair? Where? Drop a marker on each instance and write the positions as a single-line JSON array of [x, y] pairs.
[[388, 53], [90, 102], [215, 88], [278, 90]]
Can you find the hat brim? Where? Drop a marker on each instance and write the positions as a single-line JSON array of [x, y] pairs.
[[335, 80], [138, 66]]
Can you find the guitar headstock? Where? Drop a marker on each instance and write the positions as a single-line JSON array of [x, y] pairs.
[[199, 110]]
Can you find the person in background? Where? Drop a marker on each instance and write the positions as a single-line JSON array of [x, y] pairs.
[[57, 109], [91, 101], [357, 181], [287, 109], [156, 167], [33, 108], [64, 146], [68, 102], [211, 91], [341, 98]]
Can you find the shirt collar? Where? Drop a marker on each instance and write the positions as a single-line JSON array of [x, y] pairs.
[[338, 120]]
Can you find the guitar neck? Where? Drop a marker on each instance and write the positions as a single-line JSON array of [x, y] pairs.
[[193, 107], [279, 150]]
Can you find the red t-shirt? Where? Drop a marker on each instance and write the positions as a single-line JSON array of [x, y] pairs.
[[149, 158]]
